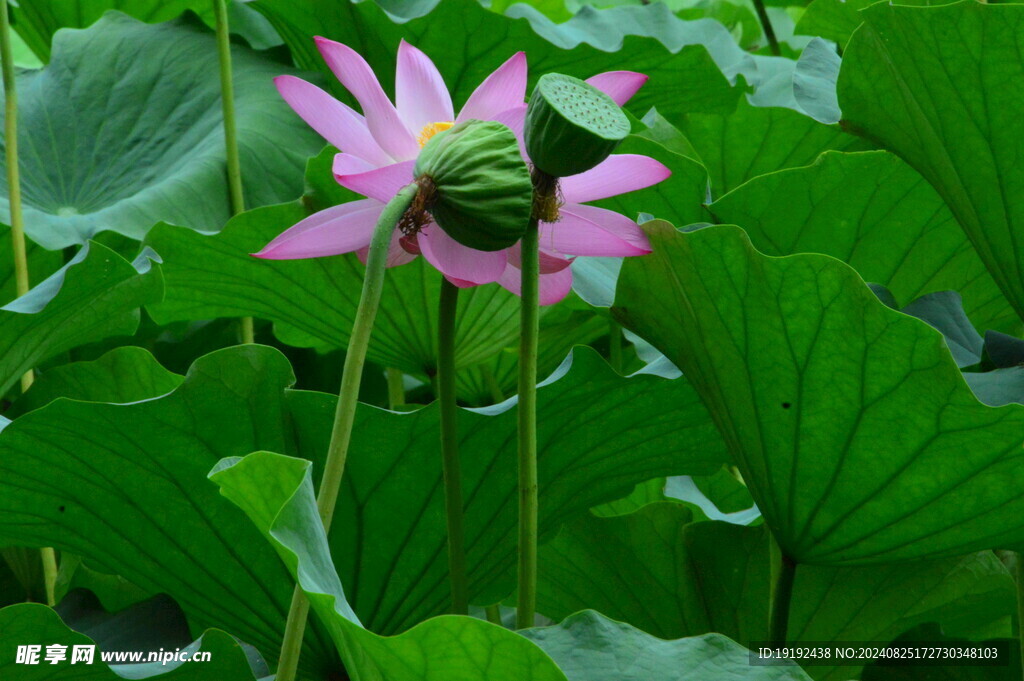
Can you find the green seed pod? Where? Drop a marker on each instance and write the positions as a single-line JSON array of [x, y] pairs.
[[476, 185], [571, 126]]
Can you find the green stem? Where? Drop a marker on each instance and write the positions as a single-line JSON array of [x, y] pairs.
[[447, 310], [13, 171], [227, 99], [21, 281], [344, 415], [396, 388], [766, 24], [528, 332], [49, 557], [781, 598], [493, 613], [615, 345]]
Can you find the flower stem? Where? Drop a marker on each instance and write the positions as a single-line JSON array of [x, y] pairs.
[[766, 24], [227, 99], [21, 281], [447, 309], [344, 415], [528, 332], [493, 613], [396, 389], [781, 598]]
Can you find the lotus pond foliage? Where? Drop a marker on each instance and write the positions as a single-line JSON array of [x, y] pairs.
[[554, 340]]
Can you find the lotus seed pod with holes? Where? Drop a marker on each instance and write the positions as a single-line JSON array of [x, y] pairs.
[[482, 193], [571, 126]]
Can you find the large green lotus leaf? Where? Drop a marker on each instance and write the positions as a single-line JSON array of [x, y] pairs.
[[645, 493], [752, 141], [738, 18], [659, 571], [908, 83], [814, 81], [120, 492], [35, 624], [601, 435], [849, 421], [313, 302], [123, 129], [892, 670], [389, 536], [276, 492], [971, 596], [591, 647], [496, 378], [836, 20], [37, 21], [125, 374], [875, 213], [22, 54], [672, 578], [97, 295], [722, 489], [41, 264], [684, 75]]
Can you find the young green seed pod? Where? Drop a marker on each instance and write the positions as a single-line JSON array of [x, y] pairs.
[[476, 184], [571, 126]]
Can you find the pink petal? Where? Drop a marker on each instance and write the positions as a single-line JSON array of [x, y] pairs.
[[552, 288], [350, 164], [619, 85], [585, 230], [618, 174], [396, 254], [381, 183], [549, 262], [420, 93], [515, 120], [381, 116], [339, 229], [504, 89], [336, 123], [457, 261]]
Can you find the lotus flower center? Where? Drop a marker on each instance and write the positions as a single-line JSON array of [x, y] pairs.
[[431, 129]]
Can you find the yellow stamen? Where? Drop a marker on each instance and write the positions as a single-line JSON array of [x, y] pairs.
[[431, 129]]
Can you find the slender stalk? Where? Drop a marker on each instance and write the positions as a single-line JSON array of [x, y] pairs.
[[345, 412], [49, 558], [615, 345], [227, 99], [493, 613], [13, 171], [21, 280], [396, 388], [766, 24], [447, 309], [781, 598], [294, 629], [528, 332]]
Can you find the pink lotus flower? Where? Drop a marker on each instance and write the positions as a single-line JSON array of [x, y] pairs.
[[378, 152]]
